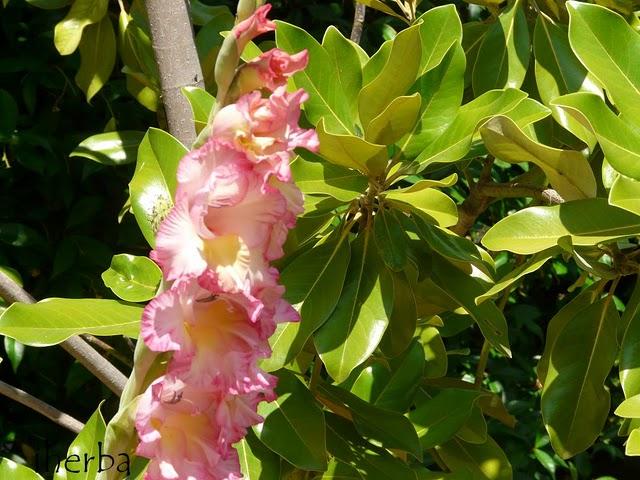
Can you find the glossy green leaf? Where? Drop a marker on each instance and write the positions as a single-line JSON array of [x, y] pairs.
[[526, 112], [202, 102], [398, 392], [630, 346], [314, 284], [625, 193], [133, 278], [395, 78], [475, 428], [486, 461], [568, 171], [433, 205], [391, 239], [154, 181], [345, 65], [358, 457], [48, 4], [618, 139], [112, 148], [630, 408], [437, 419], [402, 323], [392, 429], [68, 32], [355, 328], [327, 99], [53, 320], [201, 13], [585, 222], [327, 179], [575, 403], [395, 121], [439, 30], [88, 444], [15, 352], [435, 353], [97, 57], [455, 141], [383, 7], [441, 90], [558, 72], [602, 40], [503, 56], [532, 264], [464, 289], [11, 470], [472, 36], [633, 443], [294, 426], [256, 460], [351, 151]]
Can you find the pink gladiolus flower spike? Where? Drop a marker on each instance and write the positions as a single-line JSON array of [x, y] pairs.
[[253, 26]]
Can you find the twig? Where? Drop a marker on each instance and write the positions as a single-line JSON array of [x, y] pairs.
[[78, 348], [41, 407], [177, 60], [107, 349], [358, 22], [548, 196]]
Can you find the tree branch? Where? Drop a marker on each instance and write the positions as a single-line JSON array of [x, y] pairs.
[[78, 348], [41, 407], [358, 22], [178, 63]]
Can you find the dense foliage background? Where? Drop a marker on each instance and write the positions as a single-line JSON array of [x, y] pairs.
[[62, 218]]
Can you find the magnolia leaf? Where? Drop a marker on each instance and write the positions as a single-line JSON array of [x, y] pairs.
[[319, 177], [395, 121], [111, 148], [568, 171], [97, 57], [68, 32], [503, 56], [133, 278]]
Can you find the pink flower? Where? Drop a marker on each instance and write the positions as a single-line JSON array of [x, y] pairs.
[[179, 429], [266, 130], [253, 26], [270, 70]]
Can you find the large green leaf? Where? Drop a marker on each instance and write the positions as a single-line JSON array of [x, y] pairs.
[[531, 265], [625, 193], [201, 102], [53, 320], [68, 32], [294, 425], [395, 121], [356, 458], [441, 90], [88, 443], [431, 204], [395, 78], [352, 151], [345, 66], [455, 141], [390, 428], [585, 222], [464, 289], [618, 139], [575, 403], [486, 461], [503, 56], [435, 353], [314, 283], [559, 72], [97, 57], [439, 30], [355, 328], [14, 471], [402, 323], [327, 179], [327, 99], [132, 278], [438, 418], [256, 460], [606, 44], [568, 171], [630, 348], [391, 239], [154, 181], [112, 148]]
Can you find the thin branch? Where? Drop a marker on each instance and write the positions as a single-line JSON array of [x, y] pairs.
[[41, 407], [358, 22], [107, 349], [548, 196], [178, 63], [78, 348]]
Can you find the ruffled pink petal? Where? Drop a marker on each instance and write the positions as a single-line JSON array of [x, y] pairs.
[[253, 26]]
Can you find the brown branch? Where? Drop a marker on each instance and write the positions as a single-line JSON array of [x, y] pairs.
[[178, 63], [484, 192], [78, 348], [41, 407], [358, 22]]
